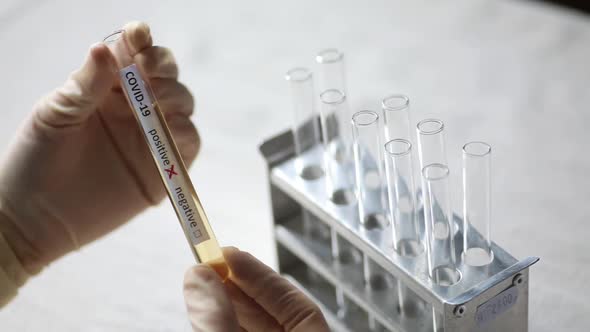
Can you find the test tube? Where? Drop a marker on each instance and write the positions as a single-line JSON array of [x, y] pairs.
[[334, 121], [305, 124], [369, 190], [407, 233], [477, 204], [166, 157], [440, 246], [431, 147], [431, 142], [407, 238], [368, 163], [336, 136], [331, 70], [306, 135], [396, 117]]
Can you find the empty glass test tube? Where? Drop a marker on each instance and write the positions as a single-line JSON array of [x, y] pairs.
[[407, 233], [440, 245], [336, 137], [166, 157], [431, 147], [306, 136], [396, 117], [369, 190], [339, 171], [332, 74], [368, 167], [477, 243], [306, 131], [431, 142]]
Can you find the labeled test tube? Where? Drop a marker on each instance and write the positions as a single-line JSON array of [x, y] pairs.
[[166, 157], [396, 117], [477, 204]]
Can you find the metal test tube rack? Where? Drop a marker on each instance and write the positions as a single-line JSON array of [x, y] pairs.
[[488, 298]]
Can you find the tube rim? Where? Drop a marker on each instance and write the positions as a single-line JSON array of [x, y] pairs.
[[322, 56], [402, 106], [292, 74], [335, 101], [444, 175], [422, 131], [113, 36], [487, 149], [359, 122], [390, 151]]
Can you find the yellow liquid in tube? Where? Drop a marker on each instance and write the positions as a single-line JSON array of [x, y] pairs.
[[172, 170]]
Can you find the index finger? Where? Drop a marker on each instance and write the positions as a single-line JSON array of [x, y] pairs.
[[289, 306]]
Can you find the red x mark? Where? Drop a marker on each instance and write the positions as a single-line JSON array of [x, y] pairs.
[[170, 171]]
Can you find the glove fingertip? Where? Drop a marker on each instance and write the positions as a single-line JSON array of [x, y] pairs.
[[138, 36], [102, 56], [198, 275]]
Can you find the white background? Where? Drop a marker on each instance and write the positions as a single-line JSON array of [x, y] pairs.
[[512, 73]]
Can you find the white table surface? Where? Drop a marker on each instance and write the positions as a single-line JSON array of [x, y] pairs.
[[513, 73]]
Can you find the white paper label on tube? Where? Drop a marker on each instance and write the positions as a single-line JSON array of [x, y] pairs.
[[169, 167]]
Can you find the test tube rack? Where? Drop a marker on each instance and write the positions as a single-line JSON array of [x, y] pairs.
[[489, 298]]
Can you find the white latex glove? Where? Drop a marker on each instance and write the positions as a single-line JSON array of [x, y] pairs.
[[79, 166]]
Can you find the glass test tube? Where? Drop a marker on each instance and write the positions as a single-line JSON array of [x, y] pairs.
[[440, 246], [407, 233], [166, 157], [306, 132], [477, 203], [368, 166], [306, 135], [335, 123], [407, 238], [334, 116], [369, 190], [396, 117], [332, 71], [431, 142]]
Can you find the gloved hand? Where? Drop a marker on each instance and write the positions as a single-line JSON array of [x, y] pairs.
[[255, 298], [79, 166]]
